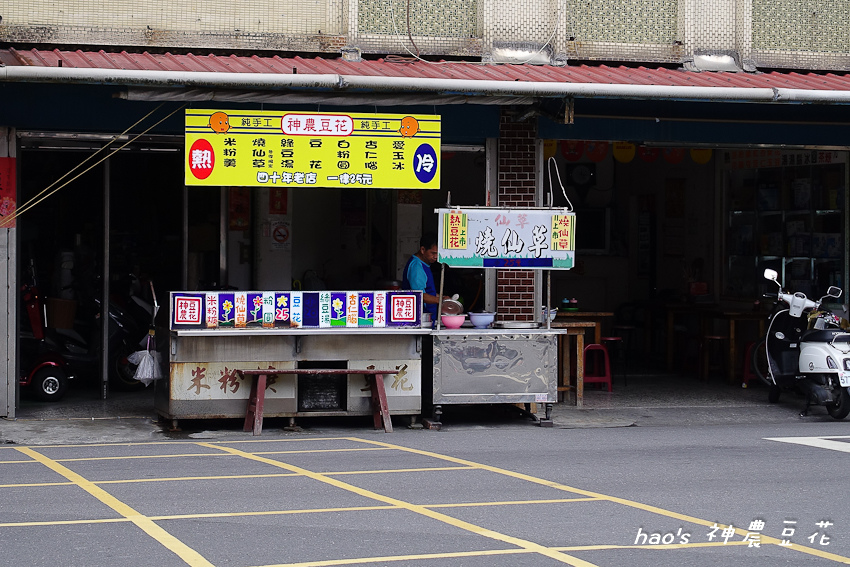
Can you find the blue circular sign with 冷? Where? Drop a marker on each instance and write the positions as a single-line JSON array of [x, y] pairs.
[[425, 163]]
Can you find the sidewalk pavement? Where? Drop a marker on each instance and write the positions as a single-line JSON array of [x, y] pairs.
[[648, 400]]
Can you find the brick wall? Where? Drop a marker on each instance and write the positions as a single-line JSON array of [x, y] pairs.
[[517, 186]]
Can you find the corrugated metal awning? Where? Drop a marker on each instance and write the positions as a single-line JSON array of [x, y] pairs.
[[422, 79]]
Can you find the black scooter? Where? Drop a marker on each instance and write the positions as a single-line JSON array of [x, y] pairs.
[[806, 352]]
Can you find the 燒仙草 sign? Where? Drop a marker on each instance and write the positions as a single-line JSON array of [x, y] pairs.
[[507, 238]]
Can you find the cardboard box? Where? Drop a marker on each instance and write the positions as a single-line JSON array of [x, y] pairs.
[[61, 313]]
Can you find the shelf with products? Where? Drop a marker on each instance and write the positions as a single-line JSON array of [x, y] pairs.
[[787, 216]]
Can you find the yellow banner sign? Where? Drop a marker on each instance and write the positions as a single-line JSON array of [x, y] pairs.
[[563, 232], [312, 149], [455, 226]]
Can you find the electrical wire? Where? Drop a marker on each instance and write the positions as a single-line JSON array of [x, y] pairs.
[[397, 59], [409, 34], [416, 56], [28, 204], [549, 164], [36, 200]]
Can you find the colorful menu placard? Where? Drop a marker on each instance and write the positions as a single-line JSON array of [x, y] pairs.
[[295, 309]]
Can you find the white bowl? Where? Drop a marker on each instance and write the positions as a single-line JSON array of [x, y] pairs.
[[552, 313], [482, 320]]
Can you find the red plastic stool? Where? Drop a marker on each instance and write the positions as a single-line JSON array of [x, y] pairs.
[[597, 367], [615, 346], [748, 369]]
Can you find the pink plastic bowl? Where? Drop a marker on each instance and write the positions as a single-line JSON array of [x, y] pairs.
[[452, 321]]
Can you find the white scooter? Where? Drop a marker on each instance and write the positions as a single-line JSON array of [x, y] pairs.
[[808, 352]]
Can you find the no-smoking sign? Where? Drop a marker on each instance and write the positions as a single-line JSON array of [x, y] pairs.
[[280, 235]]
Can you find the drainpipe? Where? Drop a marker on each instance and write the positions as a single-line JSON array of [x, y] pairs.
[[333, 82]]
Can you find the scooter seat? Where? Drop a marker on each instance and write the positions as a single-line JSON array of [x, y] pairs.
[[825, 335]]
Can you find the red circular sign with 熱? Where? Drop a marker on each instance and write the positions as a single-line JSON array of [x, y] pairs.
[[201, 159]]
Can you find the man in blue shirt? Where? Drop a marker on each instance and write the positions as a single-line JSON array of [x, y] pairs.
[[417, 273]]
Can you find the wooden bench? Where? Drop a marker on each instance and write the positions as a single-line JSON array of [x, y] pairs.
[[256, 400]]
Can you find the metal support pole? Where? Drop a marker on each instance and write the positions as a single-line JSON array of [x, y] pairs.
[[185, 275], [104, 306], [440, 297], [548, 299], [223, 280]]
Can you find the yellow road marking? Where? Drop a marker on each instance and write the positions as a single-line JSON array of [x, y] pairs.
[[415, 508], [391, 471], [301, 451], [388, 558], [147, 443], [485, 552], [182, 478], [286, 440], [236, 476], [189, 555], [511, 503], [602, 547], [290, 512], [217, 455], [186, 553], [63, 522], [199, 516], [630, 503], [31, 484], [134, 457], [272, 512]]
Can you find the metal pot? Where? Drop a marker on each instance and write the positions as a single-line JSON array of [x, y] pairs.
[[452, 307]]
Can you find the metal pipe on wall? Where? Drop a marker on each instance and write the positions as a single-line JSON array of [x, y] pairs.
[[340, 83]]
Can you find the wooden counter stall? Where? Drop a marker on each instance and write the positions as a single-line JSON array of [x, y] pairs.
[[216, 336]]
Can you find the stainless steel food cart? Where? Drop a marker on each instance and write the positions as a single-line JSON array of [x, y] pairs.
[[494, 366], [501, 365]]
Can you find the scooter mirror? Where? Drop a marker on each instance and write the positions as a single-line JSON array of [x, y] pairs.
[[770, 274], [833, 291]]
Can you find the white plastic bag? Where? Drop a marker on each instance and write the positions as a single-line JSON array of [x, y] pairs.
[[148, 368]]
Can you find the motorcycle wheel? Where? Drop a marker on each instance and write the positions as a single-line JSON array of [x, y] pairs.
[[758, 365], [841, 408], [50, 384], [121, 371], [773, 394]]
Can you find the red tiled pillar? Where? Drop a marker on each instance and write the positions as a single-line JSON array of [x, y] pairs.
[[517, 188]]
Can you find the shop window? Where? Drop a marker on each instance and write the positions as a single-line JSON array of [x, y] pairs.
[[784, 211]]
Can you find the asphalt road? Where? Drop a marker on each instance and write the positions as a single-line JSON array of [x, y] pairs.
[[478, 495]]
